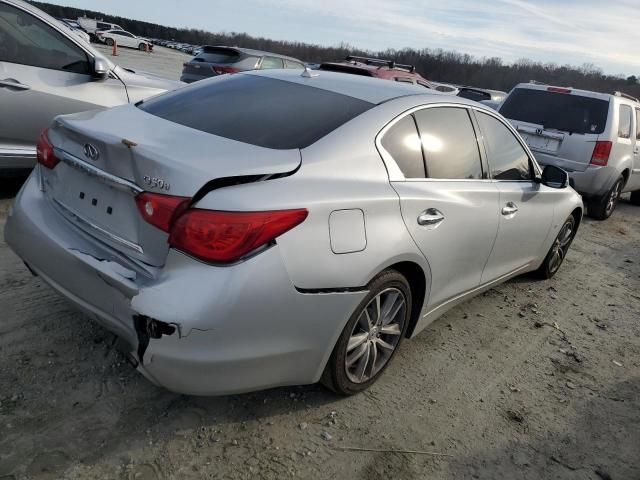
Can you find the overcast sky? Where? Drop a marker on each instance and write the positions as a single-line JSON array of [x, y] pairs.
[[574, 32]]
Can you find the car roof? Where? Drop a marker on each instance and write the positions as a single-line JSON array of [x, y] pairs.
[[574, 91], [380, 70], [250, 51], [369, 89]]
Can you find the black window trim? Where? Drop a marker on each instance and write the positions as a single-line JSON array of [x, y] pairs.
[[396, 175]]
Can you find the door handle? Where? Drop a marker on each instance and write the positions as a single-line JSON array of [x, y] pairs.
[[509, 209], [431, 217], [11, 83]]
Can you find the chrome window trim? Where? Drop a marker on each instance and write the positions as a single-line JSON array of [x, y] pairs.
[[18, 152], [396, 175], [105, 177]]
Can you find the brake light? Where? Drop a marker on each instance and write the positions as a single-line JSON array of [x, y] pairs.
[[224, 237], [601, 153], [160, 210], [44, 151], [558, 90], [222, 70]]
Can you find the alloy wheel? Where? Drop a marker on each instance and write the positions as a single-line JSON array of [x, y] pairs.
[[375, 335], [561, 246], [613, 197]]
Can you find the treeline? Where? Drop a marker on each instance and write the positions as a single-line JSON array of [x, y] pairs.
[[435, 64]]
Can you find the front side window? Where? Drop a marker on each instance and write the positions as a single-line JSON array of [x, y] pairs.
[[27, 40], [637, 124], [402, 142], [624, 127], [269, 63], [507, 158], [449, 143]]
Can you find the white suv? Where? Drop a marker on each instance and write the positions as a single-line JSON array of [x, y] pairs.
[[594, 136]]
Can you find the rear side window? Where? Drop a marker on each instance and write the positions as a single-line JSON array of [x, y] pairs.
[[559, 111], [403, 144], [27, 40], [507, 158], [297, 65], [257, 110], [449, 143], [218, 55], [269, 63], [624, 123]]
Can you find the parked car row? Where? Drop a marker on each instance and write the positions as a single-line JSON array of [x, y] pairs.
[[277, 225]]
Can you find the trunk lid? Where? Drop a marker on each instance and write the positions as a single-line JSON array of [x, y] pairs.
[[96, 191]]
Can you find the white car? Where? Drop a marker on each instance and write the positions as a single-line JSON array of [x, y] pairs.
[[123, 39]]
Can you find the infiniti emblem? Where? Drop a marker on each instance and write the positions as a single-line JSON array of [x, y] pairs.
[[91, 152]]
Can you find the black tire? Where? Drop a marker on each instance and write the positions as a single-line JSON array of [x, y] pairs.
[[601, 208], [109, 42], [635, 197], [558, 251], [141, 47], [337, 376]]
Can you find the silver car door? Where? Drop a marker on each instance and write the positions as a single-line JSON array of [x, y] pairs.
[[634, 179], [447, 204], [43, 73], [526, 207]]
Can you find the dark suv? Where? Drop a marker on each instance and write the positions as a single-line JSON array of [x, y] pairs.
[[379, 68], [212, 61]]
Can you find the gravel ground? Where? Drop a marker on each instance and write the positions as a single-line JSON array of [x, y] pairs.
[[536, 380]]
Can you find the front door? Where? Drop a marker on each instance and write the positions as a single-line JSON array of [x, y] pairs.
[[525, 208]]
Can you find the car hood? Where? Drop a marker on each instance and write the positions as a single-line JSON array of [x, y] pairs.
[[141, 85]]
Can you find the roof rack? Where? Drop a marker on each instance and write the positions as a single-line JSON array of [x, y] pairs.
[[381, 62], [624, 95]]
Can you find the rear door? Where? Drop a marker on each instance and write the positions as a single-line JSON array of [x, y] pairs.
[[526, 207], [560, 126], [447, 204], [634, 179], [42, 74]]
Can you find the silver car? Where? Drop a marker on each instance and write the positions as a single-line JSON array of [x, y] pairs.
[[593, 136], [271, 228], [47, 70]]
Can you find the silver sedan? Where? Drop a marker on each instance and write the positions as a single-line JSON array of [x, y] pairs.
[[272, 228]]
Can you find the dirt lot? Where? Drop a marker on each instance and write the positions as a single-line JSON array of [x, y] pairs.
[[536, 380]]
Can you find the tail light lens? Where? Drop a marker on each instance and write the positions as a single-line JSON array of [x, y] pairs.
[[601, 153], [44, 151], [160, 210], [222, 70], [224, 237], [558, 90]]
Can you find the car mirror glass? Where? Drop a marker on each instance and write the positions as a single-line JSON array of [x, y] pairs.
[[554, 177]]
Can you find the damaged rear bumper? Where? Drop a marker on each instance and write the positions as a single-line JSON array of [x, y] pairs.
[[190, 327]]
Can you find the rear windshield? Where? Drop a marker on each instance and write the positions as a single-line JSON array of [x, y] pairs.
[[218, 55], [345, 69], [559, 111], [257, 110]]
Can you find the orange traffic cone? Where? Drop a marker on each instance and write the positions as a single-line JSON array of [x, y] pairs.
[[114, 52]]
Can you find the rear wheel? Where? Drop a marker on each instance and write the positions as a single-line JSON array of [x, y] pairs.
[[558, 250], [371, 337], [601, 208], [635, 197], [109, 41]]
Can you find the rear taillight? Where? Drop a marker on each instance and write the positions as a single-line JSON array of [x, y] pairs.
[[222, 70], [601, 153], [224, 237], [44, 151], [160, 210]]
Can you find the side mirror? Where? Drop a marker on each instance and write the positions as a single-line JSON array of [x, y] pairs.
[[101, 68], [554, 177]]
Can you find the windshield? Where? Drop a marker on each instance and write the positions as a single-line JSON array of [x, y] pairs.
[[558, 111]]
